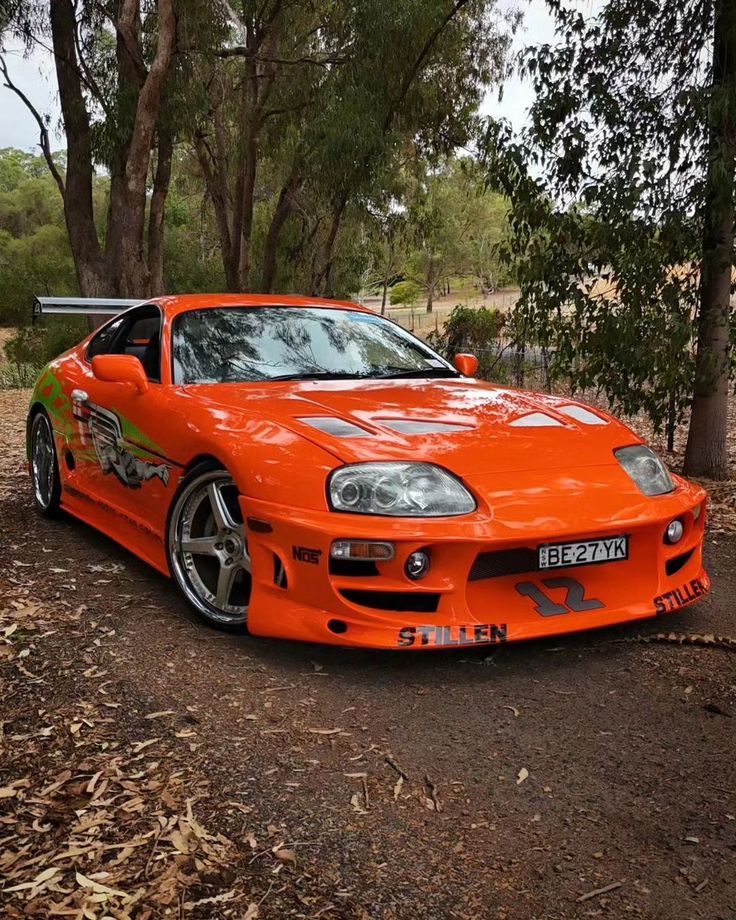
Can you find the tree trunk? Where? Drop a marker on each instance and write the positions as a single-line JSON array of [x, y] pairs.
[[249, 191], [78, 204], [161, 183], [707, 444], [126, 228], [430, 285], [284, 206], [245, 179], [215, 181], [384, 294], [322, 279]]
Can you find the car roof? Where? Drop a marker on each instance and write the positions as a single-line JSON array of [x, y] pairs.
[[174, 304]]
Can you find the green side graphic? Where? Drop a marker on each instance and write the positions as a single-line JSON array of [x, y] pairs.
[[50, 393], [135, 436]]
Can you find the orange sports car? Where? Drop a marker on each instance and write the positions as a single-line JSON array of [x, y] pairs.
[[312, 471]]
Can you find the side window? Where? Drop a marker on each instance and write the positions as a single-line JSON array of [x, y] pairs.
[[143, 339], [138, 333], [105, 338]]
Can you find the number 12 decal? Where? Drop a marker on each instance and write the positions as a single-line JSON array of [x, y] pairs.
[[575, 599]]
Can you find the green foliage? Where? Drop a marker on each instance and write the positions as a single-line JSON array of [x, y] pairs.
[[608, 193], [405, 292], [473, 331], [455, 227], [34, 250], [31, 347]]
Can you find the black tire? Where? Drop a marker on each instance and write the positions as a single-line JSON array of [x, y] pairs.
[[45, 479], [207, 549]]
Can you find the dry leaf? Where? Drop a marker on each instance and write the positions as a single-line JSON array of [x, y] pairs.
[[522, 776], [86, 882], [284, 855]]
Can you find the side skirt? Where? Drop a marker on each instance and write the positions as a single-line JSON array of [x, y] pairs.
[[132, 535]]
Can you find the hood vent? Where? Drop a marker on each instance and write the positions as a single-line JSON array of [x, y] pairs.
[[536, 420], [410, 426], [337, 427], [581, 414]]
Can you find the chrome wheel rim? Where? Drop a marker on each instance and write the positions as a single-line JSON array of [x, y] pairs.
[[43, 455], [209, 551]]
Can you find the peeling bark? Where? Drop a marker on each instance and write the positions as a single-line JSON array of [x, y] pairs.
[[161, 183]]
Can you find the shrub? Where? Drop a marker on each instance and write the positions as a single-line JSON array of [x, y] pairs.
[[31, 347], [405, 292]]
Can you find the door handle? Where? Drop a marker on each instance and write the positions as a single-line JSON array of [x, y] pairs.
[[79, 397]]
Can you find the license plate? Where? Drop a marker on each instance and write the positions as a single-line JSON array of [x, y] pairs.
[[586, 552]]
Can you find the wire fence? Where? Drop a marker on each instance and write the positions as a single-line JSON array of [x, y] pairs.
[[513, 363], [417, 320]]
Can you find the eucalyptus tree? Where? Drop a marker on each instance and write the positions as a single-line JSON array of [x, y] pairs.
[[622, 193], [113, 60], [336, 91]]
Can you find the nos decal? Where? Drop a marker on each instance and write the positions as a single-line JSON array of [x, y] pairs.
[[106, 433]]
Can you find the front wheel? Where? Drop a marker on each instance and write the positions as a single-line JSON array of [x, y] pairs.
[[44, 466], [207, 548]]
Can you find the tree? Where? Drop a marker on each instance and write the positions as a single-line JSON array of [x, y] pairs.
[[112, 64], [34, 250], [337, 91], [622, 207], [388, 249], [456, 224]]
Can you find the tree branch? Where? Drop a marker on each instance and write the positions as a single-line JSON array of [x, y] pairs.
[[416, 66], [244, 51], [43, 130]]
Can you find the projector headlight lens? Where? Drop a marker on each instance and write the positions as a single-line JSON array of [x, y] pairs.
[[674, 532], [397, 489], [646, 469]]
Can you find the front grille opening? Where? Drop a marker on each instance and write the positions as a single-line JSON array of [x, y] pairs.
[[677, 562], [279, 573], [353, 568], [503, 562], [400, 601]]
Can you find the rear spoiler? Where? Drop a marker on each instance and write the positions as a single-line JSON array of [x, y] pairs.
[[81, 306]]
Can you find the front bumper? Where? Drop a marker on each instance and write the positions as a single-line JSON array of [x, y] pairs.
[[483, 586]]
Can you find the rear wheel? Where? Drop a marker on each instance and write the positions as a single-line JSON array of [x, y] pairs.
[[44, 466], [207, 548]]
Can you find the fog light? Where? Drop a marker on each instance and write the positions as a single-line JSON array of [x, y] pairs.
[[362, 549], [674, 532], [417, 565]]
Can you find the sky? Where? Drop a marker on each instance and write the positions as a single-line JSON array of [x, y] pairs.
[[35, 76]]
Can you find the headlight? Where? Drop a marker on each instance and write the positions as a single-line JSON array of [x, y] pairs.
[[398, 490], [646, 469]]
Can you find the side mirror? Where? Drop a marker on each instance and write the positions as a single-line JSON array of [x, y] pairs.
[[120, 369], [466, 364]]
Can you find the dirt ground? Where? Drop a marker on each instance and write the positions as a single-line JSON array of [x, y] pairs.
[[151, 767]]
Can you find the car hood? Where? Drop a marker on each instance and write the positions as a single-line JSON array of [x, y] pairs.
[[464, 425]]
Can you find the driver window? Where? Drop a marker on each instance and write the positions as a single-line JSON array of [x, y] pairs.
[[143, 340], [105, 338], [138, 333]]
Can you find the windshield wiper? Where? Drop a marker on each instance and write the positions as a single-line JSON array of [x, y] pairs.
[[423, 372], [318, 375]]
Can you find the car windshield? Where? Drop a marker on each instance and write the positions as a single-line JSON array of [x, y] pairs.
[[246, 344]]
